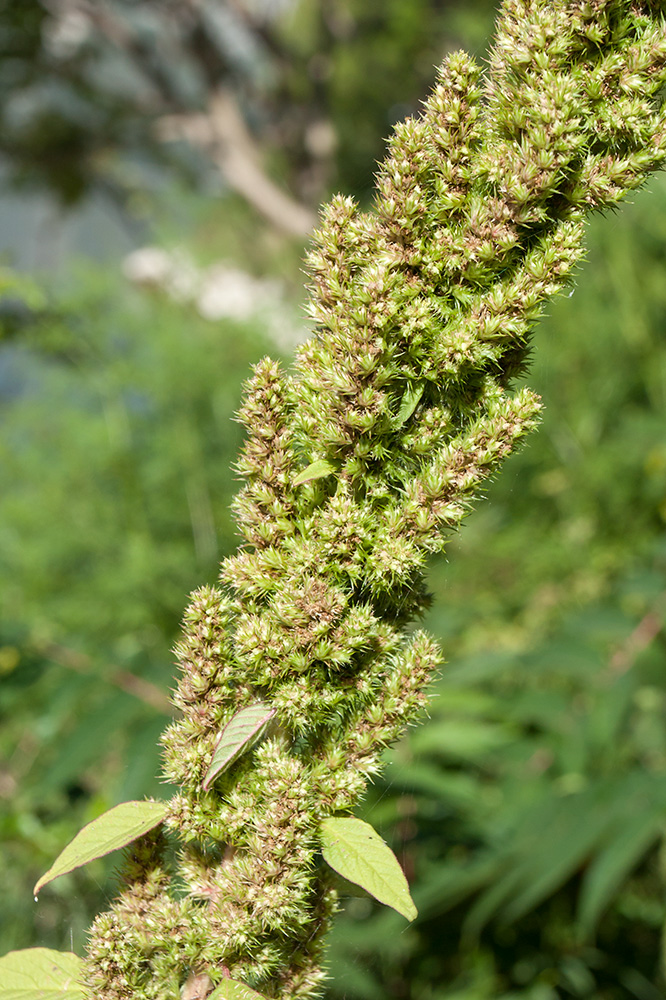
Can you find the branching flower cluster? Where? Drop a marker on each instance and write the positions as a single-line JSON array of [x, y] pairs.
[[358, 464]]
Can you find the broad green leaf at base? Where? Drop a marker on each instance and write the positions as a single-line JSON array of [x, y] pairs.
[[40, 974], [357, 852], [115, 828]]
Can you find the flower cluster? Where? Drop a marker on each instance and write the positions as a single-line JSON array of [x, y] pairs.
[[401, 405]]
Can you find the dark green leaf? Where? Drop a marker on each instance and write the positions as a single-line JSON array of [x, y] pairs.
[[615, 862], [243, 729]]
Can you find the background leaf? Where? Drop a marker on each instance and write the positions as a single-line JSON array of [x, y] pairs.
[[639, 830]]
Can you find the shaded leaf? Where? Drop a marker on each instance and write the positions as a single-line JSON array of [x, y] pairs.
[[40, 974], [357, 852], [552, 840], [612, 865], [229, 989], [241, 730], [575, 834], [410, 400], [316, 470], [467, 739], [447, 885], [115, 828]]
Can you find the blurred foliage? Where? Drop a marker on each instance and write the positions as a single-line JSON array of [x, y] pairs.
[[363, 65], [529, 810], [116, 448], [83, 87]]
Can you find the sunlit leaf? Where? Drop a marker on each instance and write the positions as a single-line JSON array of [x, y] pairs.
[[115, 828], [242, 730], [316, 470], [40, 974], [229, 989], [357, 852]]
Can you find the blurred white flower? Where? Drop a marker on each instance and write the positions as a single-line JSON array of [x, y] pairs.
[[65, 33], [217, 292], [173, 271], [184, 279], [226, 291], [147, 266]]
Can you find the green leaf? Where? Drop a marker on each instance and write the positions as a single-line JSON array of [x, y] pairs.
[[244, 728], [316, 470], [565, 845], [467, 739], [552, 839], [229, 989], [115, 828], [40, 974], [410, 400], [357, 852], [639, 831]]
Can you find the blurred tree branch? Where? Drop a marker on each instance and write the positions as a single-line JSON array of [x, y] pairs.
[[125, 680], [309, 91], [224, 136], [642, 636], [218, 128]]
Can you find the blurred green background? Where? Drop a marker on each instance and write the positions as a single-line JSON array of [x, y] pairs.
[[529, 810]]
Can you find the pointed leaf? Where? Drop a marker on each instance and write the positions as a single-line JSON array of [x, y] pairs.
[[410, 400], [609, 868], [566, 844], [40, 974], [244, 728], [317, 470], [357, 852], [229, 989], [115, 828]]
